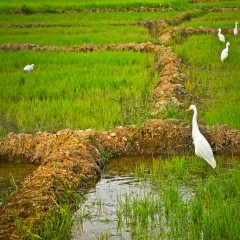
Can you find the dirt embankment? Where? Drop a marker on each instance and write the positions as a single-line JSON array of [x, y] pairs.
[[48, 9]]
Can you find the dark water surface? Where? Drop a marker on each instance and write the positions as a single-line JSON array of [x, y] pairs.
[[11, 174], [97, 216]]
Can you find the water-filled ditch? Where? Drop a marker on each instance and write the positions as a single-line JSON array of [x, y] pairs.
[[128, 195]]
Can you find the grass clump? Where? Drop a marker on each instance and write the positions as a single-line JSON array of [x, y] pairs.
[[184, 205], [55, 225], [75, 36]]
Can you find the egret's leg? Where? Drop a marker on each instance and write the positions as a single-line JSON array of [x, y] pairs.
[[203, 169], [214, 171]]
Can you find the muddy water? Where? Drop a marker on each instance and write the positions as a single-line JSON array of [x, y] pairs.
[[11, 174], [97, 216]]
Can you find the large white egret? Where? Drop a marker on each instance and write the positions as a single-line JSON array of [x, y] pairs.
[[220, 35], [28, 68], [224, 53], [235, 30], [202, 147]]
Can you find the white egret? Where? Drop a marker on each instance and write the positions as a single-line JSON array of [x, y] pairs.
[[220, 35], [224, 53], [202, 147], [28, 68], [235, 30]]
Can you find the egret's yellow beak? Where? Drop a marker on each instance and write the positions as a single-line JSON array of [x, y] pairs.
[[187, 110]]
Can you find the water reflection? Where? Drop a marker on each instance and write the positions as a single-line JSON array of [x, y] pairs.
[[97, 216], [99, 209], [11, 174]]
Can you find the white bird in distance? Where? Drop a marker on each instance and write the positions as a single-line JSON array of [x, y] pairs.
[[28, 68], [220, 35], [224, 53], [235, 30]]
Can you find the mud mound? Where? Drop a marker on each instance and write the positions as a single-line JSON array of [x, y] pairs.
[[170, 89], [26, 10], [222, 9], [205, 30], [38, 25], [159, 29], [146, 46]]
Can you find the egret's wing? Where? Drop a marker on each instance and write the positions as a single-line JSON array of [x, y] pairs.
[[224, 54], [204, 150]]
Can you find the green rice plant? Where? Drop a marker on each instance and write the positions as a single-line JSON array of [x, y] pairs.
[[210, 4], [73, 90], [75, 36], [84, 19], [104, 236], [173, 212], [138, 213], [206, 76], [13, 181], [28, 7], [56, 222], [214, 20], [55, 225]]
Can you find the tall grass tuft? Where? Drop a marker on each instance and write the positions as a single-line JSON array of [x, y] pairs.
[[189, 207]]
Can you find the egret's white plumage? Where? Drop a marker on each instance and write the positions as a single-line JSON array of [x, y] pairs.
[[235, 30], [224, 53], [28, 68], [220, 35], [202, 147]]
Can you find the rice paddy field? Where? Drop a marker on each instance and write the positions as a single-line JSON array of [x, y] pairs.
[[104, 89]]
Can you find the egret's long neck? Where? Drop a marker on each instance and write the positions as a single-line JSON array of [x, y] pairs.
[[195, 128], [227, 47]]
